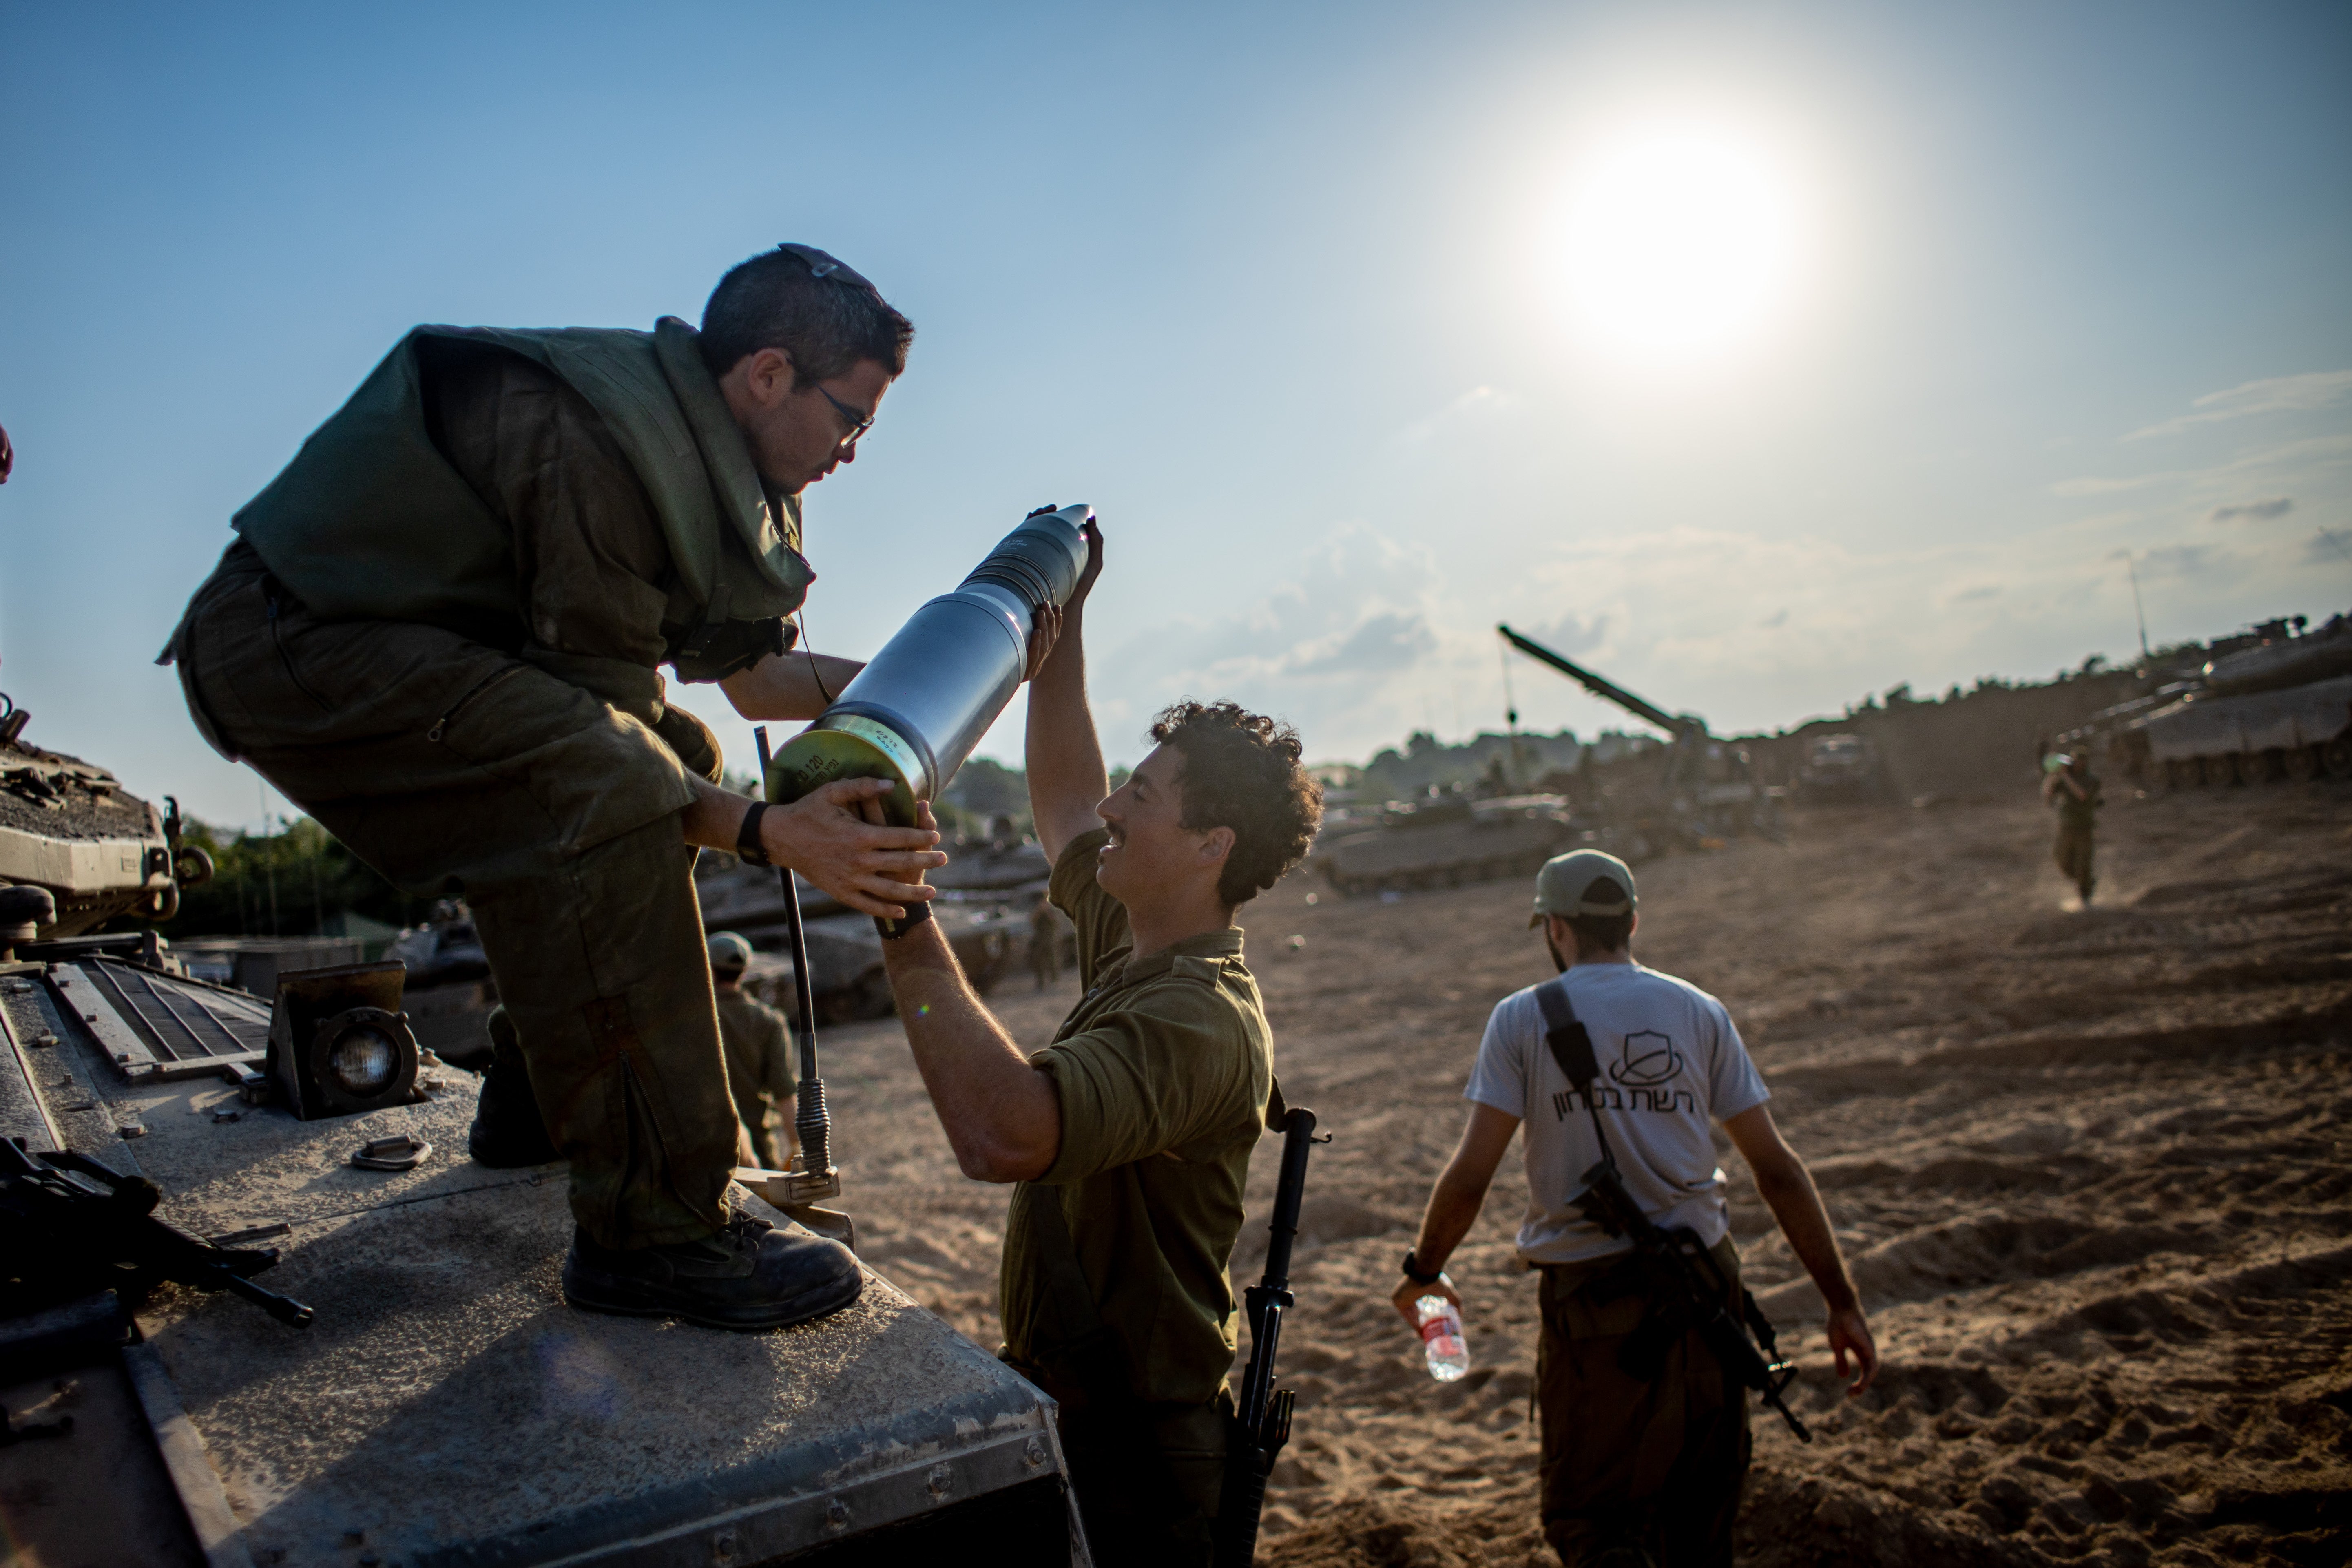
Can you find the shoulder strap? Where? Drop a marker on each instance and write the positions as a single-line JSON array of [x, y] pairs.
[[1571, 1042]]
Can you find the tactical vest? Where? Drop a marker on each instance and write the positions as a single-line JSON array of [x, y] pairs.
[[370, 521]]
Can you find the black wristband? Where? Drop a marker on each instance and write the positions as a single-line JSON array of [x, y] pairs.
[[917, 911], [1412, 1270], [748, 848]]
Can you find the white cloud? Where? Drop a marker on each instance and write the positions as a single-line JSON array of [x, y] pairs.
[[1387, 641], [2279, 394], [2261, 510]]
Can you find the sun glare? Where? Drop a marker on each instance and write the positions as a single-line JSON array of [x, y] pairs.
[[1680, 243]]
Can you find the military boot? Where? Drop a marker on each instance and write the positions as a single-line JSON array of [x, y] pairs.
[[749, 1275], [508, 1128]]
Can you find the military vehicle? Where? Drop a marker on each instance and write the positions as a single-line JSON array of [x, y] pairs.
[[2278, 710], [423, 1395], [1444, 840], [982, 910], [1706, 792], [69, 828], [1839, 769]]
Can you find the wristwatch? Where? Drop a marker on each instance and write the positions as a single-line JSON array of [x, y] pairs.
[[1412, 1271], [747, 847]]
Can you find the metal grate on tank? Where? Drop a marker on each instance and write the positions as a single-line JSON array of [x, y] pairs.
[[178, 1020]]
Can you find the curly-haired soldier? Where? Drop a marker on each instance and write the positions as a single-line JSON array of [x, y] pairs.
[[1131, 1134]]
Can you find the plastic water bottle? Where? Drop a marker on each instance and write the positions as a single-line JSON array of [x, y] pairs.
[[1442, 1340]]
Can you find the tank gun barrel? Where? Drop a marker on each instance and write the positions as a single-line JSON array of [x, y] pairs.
[[1680, 726]]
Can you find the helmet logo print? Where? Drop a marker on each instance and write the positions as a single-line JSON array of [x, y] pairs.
[[1646, 1059]]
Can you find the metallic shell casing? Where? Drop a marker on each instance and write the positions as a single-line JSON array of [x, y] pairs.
[[915, 713]]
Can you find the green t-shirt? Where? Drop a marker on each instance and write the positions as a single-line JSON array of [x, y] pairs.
[[1162, 1070]]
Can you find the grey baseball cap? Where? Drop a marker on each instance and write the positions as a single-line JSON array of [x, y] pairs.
[[1564, 886], [729, 953]]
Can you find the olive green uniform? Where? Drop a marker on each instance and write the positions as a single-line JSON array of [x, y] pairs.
[[2078, 824], [759, 1071], [1162, 1072], [439, 634]]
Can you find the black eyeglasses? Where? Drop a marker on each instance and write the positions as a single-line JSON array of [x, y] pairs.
[[858, 423]]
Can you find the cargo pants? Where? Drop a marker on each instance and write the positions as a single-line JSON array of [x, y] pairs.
[[1660, 1463], [449, 766]]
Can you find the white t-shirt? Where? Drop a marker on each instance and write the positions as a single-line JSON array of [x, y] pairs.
[[1671, 1064]]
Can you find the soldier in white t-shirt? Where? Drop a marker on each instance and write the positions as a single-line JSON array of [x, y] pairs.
[[1633, 1472]]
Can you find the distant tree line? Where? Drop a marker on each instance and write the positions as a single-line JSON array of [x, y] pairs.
[[298, 880]]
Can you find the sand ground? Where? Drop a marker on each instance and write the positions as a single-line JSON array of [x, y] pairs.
[[2091, 1168]]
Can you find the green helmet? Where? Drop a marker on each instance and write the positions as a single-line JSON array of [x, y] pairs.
[[729, 953]]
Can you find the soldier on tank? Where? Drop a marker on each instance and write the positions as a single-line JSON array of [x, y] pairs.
[[440, 631], [1131, 1134], [759, 1056], [2074, 789]]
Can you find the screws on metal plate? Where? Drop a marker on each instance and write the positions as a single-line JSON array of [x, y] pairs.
[[1033, 1452], [836, 1514], [939, 1480], [722, 1548]]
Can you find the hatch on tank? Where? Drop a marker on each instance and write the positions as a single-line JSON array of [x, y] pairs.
[[445, 1407]]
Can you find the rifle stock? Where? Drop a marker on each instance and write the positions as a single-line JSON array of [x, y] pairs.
[[1261, 1424]]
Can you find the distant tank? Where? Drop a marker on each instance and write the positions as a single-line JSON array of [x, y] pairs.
[[71, 828], [1841, 768], [2281, 709], [1450, 840], [978, 886], [1707, 791]]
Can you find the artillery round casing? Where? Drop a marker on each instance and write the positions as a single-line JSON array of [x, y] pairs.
[[914, 714]]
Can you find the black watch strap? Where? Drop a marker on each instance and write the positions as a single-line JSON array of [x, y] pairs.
[[917, 911], [1412, 1271], [748, 848]]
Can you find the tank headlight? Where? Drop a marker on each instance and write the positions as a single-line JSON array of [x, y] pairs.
[[363, 1062], [361, 1058]]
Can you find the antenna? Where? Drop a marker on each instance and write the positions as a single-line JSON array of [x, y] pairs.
[[1510, 707], [2133, 567]]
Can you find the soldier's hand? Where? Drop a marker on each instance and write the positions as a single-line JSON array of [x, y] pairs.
[[1094, 563], [1044, 631], [1849, 1332], [829, 837], [1410, 1291]]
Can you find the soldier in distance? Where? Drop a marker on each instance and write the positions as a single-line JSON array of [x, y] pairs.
[[1633, 1474], [441, 630], [2068, 784], [1129, 1135], [759, 1071]]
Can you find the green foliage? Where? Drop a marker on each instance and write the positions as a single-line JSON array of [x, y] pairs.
[[293, 882]]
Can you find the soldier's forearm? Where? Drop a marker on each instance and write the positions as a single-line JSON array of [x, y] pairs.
[[1000, 1115], [1064, 756], [795, 685], [1796, 1205]]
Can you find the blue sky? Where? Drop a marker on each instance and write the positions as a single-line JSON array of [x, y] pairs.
[[1278, 290]]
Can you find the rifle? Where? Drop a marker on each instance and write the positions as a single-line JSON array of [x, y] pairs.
[[1688, 1288], [70, 1227], [1261, 1424]]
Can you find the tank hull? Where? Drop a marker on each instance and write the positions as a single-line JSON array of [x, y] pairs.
[[447, 1408], [2296, 732]]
